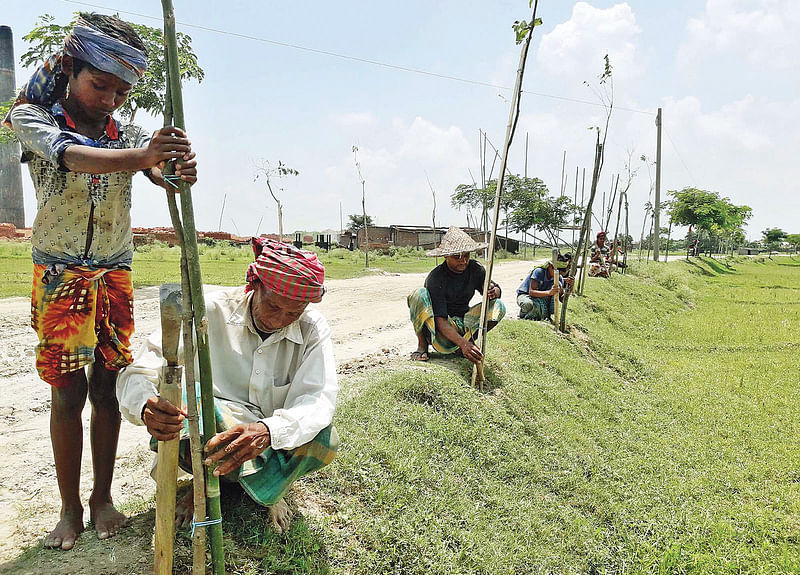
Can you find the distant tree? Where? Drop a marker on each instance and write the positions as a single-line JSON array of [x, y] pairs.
[[149, 93], [794, 241], [533, 208], [772, 238], [470, 196], [357, 222], [708, 212], [268, 173]]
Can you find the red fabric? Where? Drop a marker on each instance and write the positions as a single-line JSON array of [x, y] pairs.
[[286, 270]]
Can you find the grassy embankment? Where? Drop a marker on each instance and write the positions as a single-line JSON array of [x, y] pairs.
[[222, 264], [661, 437]]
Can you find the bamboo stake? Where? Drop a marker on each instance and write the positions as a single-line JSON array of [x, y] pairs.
[[198, 302], [477, 372], [195, 441], [557, 283]]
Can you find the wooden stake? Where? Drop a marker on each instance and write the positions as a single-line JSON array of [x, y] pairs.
[[477, 372], [167, 479]]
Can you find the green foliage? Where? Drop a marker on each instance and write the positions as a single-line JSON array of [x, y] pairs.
[[471, 196], [709, 212], [522, 28], [772, 238], [534, 208], [794, 241], [356, 222], [6, 135], [149, 93]]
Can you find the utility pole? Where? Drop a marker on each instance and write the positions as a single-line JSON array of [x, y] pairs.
[[657, 205]]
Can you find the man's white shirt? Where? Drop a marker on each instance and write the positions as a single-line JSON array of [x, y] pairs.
[[288, 381]]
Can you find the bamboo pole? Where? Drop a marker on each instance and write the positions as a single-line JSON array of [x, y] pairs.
[[583, 241], [166, 479], [198, 302], [477, 372], [557, 283], [195, 441]]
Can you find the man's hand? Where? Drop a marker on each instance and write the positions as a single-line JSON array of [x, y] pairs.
[[471, 351], [187, 168], [230, 448], [494, 290], [555, 290], [168, 143], [163, 420]]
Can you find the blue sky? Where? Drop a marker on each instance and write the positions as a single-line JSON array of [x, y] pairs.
[[723, 71]]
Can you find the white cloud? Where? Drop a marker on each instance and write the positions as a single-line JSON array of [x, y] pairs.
[[576, 47], [760, 32], [395, 157]]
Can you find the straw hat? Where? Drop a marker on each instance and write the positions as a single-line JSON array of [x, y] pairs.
[[455, 241]]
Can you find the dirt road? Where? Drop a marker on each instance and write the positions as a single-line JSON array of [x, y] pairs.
[[370, 323]]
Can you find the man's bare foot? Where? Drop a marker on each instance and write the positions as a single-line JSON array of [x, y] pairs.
[[419, 355], [67, 530], [107, 520], [184, 510], [280, 516]]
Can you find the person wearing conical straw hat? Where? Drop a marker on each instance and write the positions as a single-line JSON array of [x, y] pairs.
[[440, 311], [535, 296]]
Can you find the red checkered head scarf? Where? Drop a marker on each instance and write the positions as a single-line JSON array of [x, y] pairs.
[[286, 270]]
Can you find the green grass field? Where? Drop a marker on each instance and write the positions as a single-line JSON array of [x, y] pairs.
[[659, 438], [222, 264]]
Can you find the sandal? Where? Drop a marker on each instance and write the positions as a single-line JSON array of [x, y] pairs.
[[419, 355]]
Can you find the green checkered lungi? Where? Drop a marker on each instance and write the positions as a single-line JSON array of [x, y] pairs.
[[267, 477], [421, 310]]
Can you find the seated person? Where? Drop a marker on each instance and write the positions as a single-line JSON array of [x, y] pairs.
[[440, 311], [535, 294], [600, 265], [274, 377]]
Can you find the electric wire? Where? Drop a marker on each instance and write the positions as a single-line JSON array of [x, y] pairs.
[[360, 59]]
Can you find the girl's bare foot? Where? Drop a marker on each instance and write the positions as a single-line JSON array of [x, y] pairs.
[[107, 520], [67, 530]]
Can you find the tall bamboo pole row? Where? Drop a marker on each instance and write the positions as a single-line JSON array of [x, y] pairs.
[[583, 241], [197, 300], [477, 372]]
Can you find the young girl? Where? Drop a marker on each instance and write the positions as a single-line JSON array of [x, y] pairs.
[[82, 162]]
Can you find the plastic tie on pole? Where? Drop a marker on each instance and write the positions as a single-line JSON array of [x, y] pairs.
[[196, 524], [171, 179]]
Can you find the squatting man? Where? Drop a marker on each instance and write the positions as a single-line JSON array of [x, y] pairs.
[[274, 377]]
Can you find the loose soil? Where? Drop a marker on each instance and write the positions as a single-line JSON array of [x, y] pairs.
[[370, 323]]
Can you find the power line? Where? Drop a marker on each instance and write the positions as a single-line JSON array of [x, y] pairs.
[[358, 58], [674, 147]]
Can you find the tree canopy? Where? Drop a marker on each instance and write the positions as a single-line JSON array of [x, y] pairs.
[[356, 222], [708, 211], [149, 93]]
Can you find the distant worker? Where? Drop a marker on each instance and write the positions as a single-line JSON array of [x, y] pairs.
[[535, 294], [440, 311], [600, 264]]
